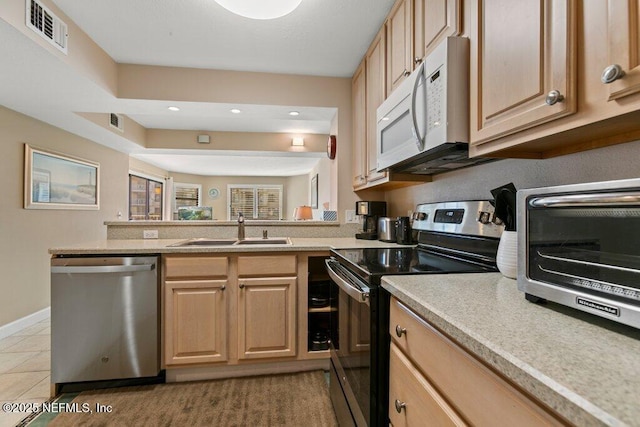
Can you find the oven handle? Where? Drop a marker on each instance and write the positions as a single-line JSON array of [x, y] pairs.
[[355, 293], [604, 199]]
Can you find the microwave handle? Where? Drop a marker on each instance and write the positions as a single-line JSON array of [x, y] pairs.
[[600, 199], [412, 109]]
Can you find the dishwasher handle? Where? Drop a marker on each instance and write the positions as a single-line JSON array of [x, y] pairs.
[[101, 269]]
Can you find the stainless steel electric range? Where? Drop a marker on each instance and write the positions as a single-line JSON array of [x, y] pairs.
[[452, 237]]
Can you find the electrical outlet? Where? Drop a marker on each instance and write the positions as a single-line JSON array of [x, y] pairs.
[[351, 217], [150, 234]]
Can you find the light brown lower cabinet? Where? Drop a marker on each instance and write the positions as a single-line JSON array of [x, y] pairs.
[[229, 308], [267, 317], [196, 321], [412, 399], [442, 384]]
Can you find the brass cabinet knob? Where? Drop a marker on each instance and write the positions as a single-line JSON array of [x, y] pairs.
[[406, 73], [553, 97], [400, 330], [241, 286], [223, 287], [417, 60], [612, 73], [400, 406]]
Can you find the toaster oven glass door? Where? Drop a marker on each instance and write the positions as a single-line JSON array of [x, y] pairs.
[[587, 242]]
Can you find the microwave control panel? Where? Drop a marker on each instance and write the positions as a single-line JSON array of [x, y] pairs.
[[435, 100]]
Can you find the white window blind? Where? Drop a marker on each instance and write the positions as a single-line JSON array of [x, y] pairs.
[[255, 201], [187, 194]]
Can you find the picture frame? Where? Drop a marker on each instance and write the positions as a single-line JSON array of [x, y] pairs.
[[57, 181], [314, 192]]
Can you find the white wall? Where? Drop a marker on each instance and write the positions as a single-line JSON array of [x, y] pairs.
[[27, 234], [602, 164]]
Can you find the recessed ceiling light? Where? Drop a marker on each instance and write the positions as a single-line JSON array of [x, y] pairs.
[[235, 111], [172, 108], [294, 113], [260, 9]]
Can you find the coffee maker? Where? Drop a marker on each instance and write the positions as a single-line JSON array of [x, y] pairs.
[[369, 213]]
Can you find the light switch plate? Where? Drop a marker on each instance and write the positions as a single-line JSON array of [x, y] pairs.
[[150, 234]]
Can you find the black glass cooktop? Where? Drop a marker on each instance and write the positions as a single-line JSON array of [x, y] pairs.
[[404, 260]]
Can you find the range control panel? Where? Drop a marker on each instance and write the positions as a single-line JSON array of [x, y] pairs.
[[472, 217]]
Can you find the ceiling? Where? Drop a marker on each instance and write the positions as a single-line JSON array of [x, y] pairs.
[[320, 38]]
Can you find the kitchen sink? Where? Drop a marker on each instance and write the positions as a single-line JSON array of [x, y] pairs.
[[229, 242], [205, 242], [267, 241]]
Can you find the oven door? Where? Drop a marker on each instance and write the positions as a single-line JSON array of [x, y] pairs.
[[350, 347]]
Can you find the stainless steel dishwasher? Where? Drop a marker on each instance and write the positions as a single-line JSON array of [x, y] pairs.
[[104, 318]]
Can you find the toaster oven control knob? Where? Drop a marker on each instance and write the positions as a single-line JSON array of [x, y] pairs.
[[484, 217], [419, 216], [553, 97]]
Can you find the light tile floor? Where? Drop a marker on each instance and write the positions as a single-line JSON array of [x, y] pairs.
[[25, 369]]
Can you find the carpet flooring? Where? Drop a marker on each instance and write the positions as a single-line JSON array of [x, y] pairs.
[[300, 399]]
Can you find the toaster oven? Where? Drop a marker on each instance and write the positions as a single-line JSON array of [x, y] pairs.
[[580, 247]]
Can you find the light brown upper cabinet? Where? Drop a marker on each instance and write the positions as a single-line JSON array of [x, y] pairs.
[[399, 59], [548, 45], [368, 92], [523, 66], [359, 111], [622, 75], [433, 21], [375, 93]]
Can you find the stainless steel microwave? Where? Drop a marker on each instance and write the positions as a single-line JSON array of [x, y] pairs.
[[429, 111], [579, 246]]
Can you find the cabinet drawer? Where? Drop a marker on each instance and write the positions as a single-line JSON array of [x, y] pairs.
[[477, 393], [195, 266], [419, 399], [267, 265]]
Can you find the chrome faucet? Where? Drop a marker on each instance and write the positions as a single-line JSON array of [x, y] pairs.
[[240, 226]]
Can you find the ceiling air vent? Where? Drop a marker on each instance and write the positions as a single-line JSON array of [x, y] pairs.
[[49, 26], [115, 120]]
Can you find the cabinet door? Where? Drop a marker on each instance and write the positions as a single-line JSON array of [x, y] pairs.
[[359, 149], [195, 321], [624, 46], [525, 51], [375, 94], [412, 399], [399, 29], [267, 317], [434, 21]]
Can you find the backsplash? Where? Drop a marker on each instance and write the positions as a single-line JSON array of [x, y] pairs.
[[227, 229], [602, 164]]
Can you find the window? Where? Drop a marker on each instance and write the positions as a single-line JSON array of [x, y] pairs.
[[187, 195], [145, 198], [255, 201]]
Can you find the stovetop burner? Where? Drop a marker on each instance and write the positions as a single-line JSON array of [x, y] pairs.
[[453, 237], [406, 260]]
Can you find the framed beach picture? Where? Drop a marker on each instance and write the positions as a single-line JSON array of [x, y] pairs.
[[56, 181]]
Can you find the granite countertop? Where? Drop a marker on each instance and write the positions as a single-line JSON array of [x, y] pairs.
[[584, 367], [147, 246]]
